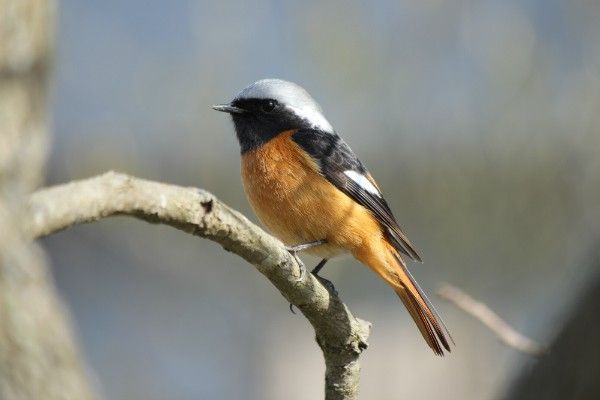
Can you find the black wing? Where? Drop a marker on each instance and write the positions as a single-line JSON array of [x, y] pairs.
[[341, 167]]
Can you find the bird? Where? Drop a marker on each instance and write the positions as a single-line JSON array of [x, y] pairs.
[[312, 192]]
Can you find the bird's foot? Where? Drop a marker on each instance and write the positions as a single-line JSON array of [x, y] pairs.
[[293, 250], [325, 282], [315, 271], [328, 284]]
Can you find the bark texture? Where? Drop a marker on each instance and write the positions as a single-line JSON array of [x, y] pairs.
[[38, 355], [341, 336]]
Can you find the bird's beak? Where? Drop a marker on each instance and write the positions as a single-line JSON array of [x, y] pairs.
[[229, 109]]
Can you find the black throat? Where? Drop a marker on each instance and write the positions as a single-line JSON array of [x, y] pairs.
[[256, 127]]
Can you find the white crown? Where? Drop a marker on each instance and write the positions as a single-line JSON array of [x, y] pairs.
[[292, 97]]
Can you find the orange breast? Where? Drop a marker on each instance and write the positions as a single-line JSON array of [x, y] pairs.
[[298, 205]]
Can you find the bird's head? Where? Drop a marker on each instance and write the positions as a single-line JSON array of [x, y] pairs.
[[268, 107]]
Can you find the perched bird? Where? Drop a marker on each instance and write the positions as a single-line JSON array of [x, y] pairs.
[[311, 191]]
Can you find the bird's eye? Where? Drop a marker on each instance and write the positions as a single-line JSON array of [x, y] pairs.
[[268, 106]]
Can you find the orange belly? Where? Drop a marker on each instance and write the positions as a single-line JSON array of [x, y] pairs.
[[298, 205]]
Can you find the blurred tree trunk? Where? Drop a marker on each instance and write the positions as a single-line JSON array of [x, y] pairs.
[[571, 368], [38, 356]]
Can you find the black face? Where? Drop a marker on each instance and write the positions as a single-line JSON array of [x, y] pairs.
[[262, 120]]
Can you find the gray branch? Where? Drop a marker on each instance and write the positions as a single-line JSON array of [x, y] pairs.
[[480, 311], [341, 336]]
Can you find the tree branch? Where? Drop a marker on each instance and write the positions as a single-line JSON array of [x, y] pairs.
[[341, 336], [478, 310]]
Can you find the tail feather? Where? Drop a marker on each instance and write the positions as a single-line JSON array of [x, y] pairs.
[[437, 333], [421, 321], [393, 270]]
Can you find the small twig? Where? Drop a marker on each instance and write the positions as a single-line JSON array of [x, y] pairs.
[[507, 334]]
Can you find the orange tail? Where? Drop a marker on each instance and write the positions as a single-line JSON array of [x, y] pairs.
[[393, 270]]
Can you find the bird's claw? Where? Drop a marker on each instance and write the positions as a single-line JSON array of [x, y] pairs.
[[325, 282], [293, 250], [328, 284], [294, 253]]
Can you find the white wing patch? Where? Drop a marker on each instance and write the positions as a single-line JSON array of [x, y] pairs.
[[363, 182]]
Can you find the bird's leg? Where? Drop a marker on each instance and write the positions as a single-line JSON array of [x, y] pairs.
[[301, 247], [315, 271], [305, 246], [326, 282]]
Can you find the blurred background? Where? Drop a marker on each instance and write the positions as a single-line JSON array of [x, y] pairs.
[[478, 118]]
